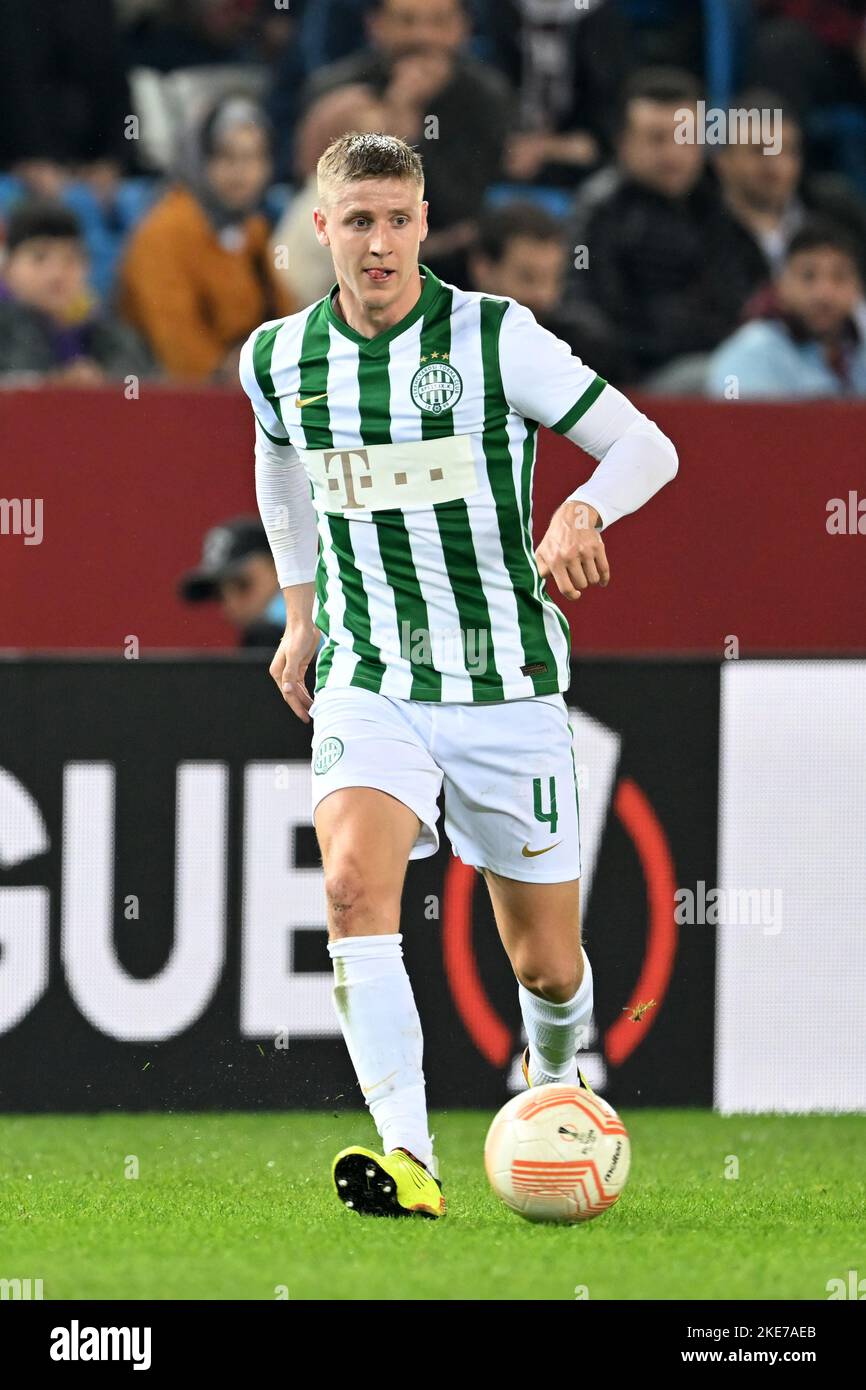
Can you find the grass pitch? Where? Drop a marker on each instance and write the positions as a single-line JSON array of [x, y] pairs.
[[240, 1206]]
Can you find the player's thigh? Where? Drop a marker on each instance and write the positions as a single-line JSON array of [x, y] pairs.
[[374, 795], [365, 837], [539, 924]]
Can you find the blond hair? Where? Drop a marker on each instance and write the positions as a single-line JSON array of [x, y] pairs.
[[367, 156]]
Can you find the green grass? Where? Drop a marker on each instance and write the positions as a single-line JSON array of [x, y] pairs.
[[232, 1206]]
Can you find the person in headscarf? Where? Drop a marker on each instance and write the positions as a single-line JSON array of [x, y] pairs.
[[198, 275]]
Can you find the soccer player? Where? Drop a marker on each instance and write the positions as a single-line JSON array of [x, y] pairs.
[[396, 424]]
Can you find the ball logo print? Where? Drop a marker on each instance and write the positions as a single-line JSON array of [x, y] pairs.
[[330, 751], [437, 387], [544, 1167]]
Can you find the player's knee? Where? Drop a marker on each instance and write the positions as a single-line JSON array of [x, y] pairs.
[[357, 902], [555, 983], [346, 893]]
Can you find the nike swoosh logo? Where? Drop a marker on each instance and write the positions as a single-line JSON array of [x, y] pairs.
[[310, 401], [534, 853]]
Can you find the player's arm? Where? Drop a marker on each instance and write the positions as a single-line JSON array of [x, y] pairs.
[[289, 519], [545, 382]]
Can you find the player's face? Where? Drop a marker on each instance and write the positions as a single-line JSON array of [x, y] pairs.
[[374, 228], [649, 152], [48, 273], [247, 592], [239, 171], [821, 288], [531, 271], [764, 182]]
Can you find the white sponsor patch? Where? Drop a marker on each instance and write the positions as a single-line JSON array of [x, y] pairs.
[[383, 476]]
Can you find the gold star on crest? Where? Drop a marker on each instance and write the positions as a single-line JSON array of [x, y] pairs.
[[445, 356], [434, 355], [423, 359]]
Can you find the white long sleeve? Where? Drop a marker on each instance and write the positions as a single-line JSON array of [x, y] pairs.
[[286, 508], [635, 458], [544, 381]]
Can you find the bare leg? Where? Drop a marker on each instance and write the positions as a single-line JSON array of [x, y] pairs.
[[365, 836], [539, 924]]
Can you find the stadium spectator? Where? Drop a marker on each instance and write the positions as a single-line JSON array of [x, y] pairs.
[[197, 276], [304, 267], [804, 341], [768, 196], [568, 64], [520, 252], [458, 109], [661, 263], [237, 569], [814, 53], [50, 328]]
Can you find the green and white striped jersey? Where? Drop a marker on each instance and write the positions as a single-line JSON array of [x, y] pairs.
[[419, 446]]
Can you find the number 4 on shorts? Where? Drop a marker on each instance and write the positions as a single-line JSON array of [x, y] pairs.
[[550, 817]]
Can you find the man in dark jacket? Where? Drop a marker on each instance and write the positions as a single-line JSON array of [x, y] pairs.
[[654, 246], [457, 109], [770, 196]]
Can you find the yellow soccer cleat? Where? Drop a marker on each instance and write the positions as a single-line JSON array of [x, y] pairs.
[[581, 1079], [393, 1184]]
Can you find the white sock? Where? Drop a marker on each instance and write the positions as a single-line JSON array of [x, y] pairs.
[[377, 1012], [555, 1031]]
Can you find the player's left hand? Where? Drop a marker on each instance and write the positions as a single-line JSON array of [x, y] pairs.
[[572, 552]]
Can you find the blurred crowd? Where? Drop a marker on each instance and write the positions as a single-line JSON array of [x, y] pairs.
[[157, 178]]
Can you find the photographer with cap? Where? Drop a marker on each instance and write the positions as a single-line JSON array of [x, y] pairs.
[[237, 569]]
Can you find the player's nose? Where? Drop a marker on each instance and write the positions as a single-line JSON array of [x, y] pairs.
[[380, 240]]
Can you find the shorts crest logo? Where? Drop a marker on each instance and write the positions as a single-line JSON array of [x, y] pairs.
[[330, 751], [437, 387]]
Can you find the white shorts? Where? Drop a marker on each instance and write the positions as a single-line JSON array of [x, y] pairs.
[[507, 769]]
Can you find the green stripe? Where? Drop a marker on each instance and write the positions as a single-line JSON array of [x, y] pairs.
[[263, 352], [321, 619], [527, 502], [522, 572], [589, 397], [316, 420], [452, 520], [314, 380], [357, 607], [413, 619], [392, 533], [313, 365], [272, 437], [324, 663], [374, 395]]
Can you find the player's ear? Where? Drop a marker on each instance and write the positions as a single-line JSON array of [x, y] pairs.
[[320, 222], [424, 228]]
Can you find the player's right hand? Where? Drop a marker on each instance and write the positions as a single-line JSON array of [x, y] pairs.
[[289, 666]]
